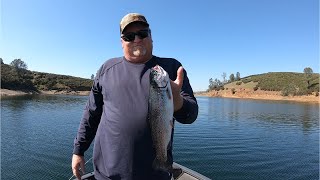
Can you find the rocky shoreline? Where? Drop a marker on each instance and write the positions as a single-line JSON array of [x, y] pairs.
[[244, 94], [261, 95], [7, 92]]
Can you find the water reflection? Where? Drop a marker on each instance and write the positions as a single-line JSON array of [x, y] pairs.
[[15, 103], [279, 113], [307, 119], [231, 139]]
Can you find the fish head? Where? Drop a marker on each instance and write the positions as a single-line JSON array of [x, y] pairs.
[[159, 78]]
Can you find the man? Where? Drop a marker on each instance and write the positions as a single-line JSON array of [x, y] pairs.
[[116, 112]]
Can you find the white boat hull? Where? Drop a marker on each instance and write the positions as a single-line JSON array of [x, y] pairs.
[[179, 173]]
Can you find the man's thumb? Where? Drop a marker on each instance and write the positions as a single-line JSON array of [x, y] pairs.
[[180, 75]]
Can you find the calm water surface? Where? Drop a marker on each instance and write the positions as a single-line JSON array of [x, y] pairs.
[[231, 139]]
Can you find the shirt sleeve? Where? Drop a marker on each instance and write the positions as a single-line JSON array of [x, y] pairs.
[[90, 119], [189, 111]]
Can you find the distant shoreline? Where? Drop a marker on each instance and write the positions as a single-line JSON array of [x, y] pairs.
[[246, 94], [261, 95], [7, 92]]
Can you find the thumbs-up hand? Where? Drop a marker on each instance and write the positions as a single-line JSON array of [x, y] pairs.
[[176, 89]]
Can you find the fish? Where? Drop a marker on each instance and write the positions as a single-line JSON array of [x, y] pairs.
[[160, 115]]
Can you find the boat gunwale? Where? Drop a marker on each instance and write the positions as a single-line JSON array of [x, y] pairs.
[[175, 165]]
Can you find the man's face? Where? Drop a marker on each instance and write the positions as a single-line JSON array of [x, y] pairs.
[[137, 43]]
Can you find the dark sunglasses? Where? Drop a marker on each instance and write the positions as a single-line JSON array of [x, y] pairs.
[[129, 37]]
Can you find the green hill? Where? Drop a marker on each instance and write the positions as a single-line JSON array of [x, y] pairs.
[[25, 80], [286, 82]]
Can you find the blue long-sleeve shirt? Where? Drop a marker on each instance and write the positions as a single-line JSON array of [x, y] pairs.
[[116, 117]]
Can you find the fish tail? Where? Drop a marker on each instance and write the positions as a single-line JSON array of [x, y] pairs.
[[161, 165]]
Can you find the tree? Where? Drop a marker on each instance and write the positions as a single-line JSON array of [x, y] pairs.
[[308, 73], [224, 75], [1, 61], [210, 84], [231, 78], [215, 84], [92, 76], [218, 82], [307, 70], [19, 64], [238, 76]]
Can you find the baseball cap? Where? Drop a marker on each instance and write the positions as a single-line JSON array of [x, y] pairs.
[[130, 18]]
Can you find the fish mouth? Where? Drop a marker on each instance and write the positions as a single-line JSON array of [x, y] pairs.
[[159, 70]]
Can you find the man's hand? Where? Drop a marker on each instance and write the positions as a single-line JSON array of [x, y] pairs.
[[77, 164], [176, 89]]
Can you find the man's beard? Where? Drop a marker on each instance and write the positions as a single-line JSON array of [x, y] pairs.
[[139, 51]]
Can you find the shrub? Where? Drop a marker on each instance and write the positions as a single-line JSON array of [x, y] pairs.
[[246, 80], [233, 91], [290, 89], [309, 91]]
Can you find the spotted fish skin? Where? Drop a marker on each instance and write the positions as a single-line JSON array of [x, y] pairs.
[[160, 115]]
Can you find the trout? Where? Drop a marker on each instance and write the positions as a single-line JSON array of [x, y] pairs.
[[160, 115]]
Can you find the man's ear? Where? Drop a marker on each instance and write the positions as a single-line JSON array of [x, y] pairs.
[[151, 37]]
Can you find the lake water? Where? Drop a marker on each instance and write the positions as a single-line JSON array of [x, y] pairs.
[[231, 139]]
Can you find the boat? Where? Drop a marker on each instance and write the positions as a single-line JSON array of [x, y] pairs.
[[179, 173], [183, 173]]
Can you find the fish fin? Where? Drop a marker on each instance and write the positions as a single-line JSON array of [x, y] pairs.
[[169, 94], [163, 166]]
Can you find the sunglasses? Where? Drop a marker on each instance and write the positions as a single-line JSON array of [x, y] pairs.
[[129, 37]]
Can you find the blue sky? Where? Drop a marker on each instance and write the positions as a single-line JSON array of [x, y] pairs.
[[208, 37]]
